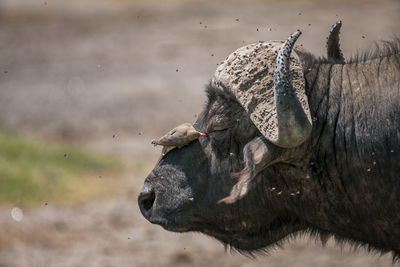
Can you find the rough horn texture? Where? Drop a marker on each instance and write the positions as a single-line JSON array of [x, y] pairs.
[[333, 44], [294, 123], [249, 74]]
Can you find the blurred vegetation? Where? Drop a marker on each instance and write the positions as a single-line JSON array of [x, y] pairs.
[[33, 172]]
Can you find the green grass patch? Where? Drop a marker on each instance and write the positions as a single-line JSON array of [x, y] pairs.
[[33, 172]]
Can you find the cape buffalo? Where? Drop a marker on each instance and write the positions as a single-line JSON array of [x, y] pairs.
[[294, 144]]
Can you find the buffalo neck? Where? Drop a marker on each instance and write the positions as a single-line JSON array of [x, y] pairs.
[[355, 147]]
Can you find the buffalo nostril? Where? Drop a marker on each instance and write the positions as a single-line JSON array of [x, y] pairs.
[[146, 200]]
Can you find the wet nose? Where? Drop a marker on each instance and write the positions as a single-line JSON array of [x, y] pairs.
[[146, 200]]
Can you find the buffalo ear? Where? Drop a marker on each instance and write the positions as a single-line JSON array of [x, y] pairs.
[[258, 154]]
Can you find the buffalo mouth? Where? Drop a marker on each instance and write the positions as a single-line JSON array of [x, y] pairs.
[[172, 227], [171, 223]]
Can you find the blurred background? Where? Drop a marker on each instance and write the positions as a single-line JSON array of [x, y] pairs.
[[84, 87]]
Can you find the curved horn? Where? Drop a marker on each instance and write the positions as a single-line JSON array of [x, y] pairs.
[[274, 97], [333, 45], [294, 125]]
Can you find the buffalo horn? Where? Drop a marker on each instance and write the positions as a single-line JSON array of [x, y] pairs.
[[333, 46], [294, 126]]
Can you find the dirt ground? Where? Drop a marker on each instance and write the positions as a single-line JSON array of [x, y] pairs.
[[83, 71]]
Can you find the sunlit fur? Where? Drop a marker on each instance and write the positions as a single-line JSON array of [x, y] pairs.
[[343, 182]]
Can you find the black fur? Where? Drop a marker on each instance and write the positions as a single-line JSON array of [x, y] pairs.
[[344, 182], [386, 48]]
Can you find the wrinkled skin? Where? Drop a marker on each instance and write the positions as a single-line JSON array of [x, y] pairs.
[[189, 182], [343, 181]]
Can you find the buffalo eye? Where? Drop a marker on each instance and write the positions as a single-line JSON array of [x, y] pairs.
[[219, 135], [221, 141], [218, 123]]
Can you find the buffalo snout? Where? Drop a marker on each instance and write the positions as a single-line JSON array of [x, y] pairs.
[[146, 199]]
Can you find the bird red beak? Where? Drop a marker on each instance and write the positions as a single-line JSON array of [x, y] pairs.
[[202, 134]]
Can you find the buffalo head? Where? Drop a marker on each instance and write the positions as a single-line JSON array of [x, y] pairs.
[[222, 184]]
